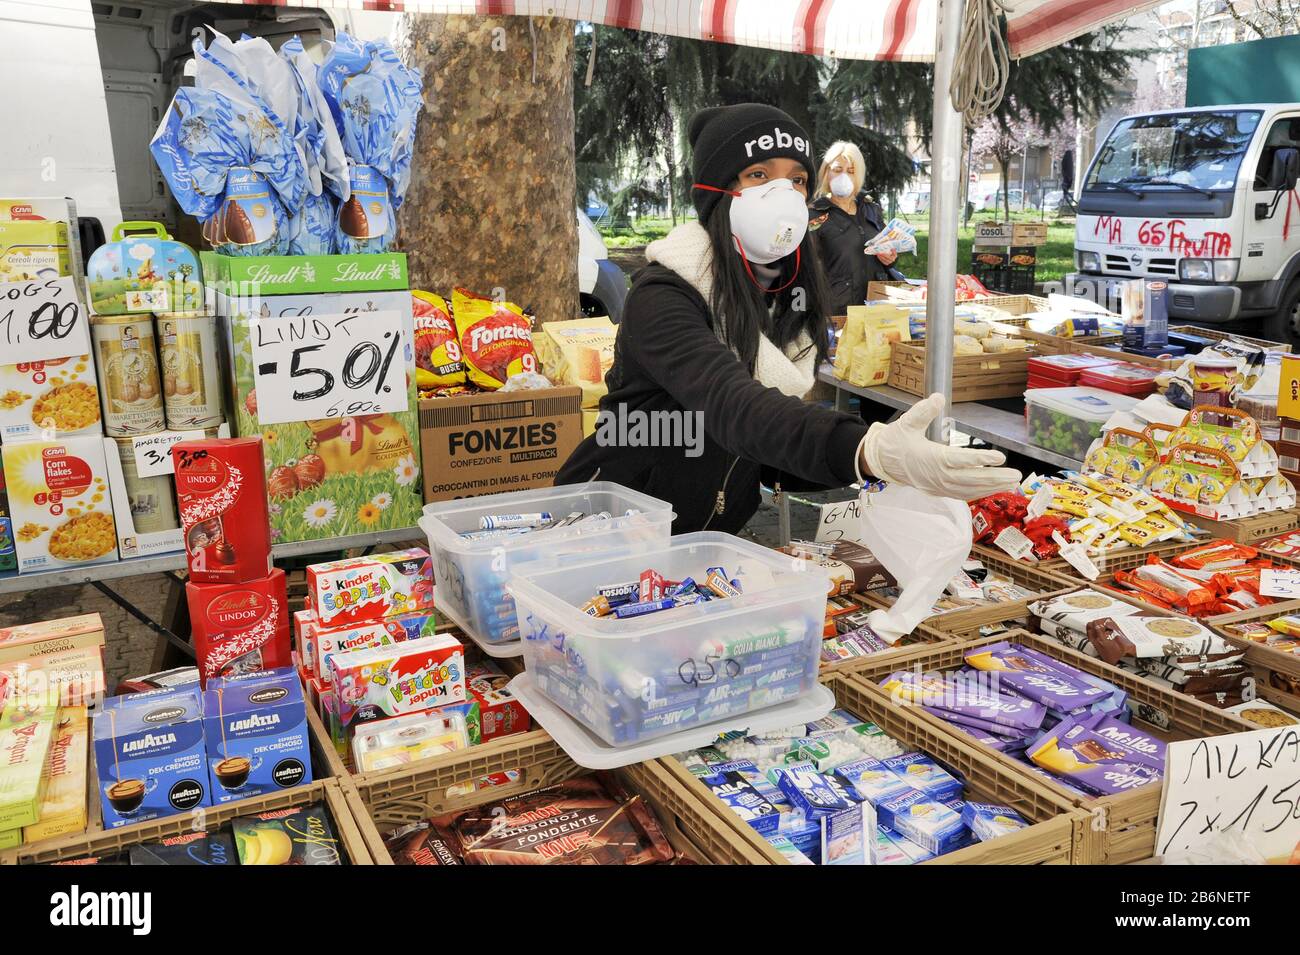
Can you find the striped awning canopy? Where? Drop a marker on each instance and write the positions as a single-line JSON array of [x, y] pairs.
[[850, 29]]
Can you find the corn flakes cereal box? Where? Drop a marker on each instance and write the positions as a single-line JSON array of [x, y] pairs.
[[56, 398], [60, 506]]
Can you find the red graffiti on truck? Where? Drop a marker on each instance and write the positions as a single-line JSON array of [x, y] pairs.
[[1168, 234], [1113, 225]]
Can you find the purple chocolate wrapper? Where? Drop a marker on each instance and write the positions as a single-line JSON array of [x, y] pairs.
[[949, 691], [1108, 756], [1036, 676]]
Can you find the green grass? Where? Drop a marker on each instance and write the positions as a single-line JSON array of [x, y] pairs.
[[1055, 259]]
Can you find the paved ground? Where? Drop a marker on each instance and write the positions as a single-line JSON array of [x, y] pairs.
[[129, 644]]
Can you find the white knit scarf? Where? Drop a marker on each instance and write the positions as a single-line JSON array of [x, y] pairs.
[[688, 252]]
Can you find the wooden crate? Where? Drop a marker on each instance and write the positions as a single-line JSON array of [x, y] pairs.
[[1219, 336], [112, 841], [944, 625], [1272, 667], [1257, 527], [1116, 829], [1125, 559], [974, 377], [1056, 823], [919, 637], [325, 765], [395, 798]]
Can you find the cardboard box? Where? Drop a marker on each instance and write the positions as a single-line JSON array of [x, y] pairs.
[[63, 807], [33, 250], [1003, 234], [59, 396], [255, 725], [1288, 393], [497, 441], [59, 503], [578, 353], [25, 738], [330, 477], [239, 627], [51, 637], [8, 553], [224, 512]]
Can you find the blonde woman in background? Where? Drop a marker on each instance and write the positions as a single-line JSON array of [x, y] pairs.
[[845, 218]]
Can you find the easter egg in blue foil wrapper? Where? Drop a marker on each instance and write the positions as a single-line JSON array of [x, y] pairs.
[[250, 220], [365, 221], [311, 231]]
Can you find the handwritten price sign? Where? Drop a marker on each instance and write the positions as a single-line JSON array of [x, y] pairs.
[[308, 367], [42, 319], [1245, 785], [153, 455], [840, 522]]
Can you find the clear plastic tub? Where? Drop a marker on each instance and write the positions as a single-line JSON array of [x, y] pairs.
[[634, 679], [470, 575], [1122, 377], [1068, 420]]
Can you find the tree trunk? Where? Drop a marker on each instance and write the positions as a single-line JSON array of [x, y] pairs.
[[493, 187], [1005, 165]]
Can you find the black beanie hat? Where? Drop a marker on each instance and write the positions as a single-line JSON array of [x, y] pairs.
[[726, 139]]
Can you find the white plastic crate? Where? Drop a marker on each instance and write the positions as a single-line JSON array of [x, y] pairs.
[[470, 575], [629, 680]]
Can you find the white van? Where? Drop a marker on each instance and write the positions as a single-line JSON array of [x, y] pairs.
[[87, 84], [1203, 199]]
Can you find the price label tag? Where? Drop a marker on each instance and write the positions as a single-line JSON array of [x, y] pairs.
[[153, 452], [1015, 543], [308, 367], [42, 319], [1284, 584]]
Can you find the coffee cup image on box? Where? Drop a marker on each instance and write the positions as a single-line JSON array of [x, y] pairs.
[[150, 756], [255, 725]]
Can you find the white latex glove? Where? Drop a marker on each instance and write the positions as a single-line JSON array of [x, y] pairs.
[[901, 453]]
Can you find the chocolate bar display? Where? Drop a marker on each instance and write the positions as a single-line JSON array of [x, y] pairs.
[[584, 821], [302, 836], [1101, 755], [189, 848]]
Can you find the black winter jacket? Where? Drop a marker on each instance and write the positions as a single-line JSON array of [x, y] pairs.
[[841, 238], [668, 358]]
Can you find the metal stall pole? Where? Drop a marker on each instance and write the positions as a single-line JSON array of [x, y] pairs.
[[945, 166]]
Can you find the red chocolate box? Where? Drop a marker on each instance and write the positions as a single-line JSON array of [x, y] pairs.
[[221, 490], [239, 627]]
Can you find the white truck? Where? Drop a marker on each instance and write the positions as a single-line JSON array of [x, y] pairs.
[[1204, 199]]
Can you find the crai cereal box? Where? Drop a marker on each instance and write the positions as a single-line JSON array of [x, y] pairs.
[[59, 502], [361, 589], [56, 398], [338, 476]]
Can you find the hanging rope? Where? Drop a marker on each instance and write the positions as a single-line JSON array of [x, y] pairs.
[[980, 73]]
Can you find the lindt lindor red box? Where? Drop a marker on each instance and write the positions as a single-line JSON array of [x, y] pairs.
[[239, 627], [221, 490]]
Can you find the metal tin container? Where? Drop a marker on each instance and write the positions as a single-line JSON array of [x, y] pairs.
[[126, 355], [153, 499], [190, 369]]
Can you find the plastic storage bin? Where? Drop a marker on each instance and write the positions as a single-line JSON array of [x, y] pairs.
[[1122, 378], [470, 575], [634, 679], [1061, 371], [1068, 420]]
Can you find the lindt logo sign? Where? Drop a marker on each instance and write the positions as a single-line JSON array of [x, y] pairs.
[[239, 606], [265, 275]]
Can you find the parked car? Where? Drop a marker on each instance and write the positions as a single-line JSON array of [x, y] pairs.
[[915, 202], [1052, 201]]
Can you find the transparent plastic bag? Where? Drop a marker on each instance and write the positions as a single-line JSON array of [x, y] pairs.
[[922, 540]]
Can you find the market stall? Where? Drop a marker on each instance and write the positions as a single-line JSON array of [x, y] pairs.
[[548, 675]]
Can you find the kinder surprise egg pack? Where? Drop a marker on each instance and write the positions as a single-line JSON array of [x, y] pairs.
[[403, 678], [356, 590]]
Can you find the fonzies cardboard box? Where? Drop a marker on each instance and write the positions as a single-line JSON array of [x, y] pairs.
[[331, 477], [497, 441]]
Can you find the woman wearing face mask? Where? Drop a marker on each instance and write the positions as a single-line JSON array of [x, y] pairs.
[[720, 340], [845, 218]]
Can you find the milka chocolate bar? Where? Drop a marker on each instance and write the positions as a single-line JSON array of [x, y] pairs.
[[1036, 676], [1100, 755], [953, 692]]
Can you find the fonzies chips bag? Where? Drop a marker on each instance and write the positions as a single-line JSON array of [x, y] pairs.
[[495, 337], [437, 348]]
